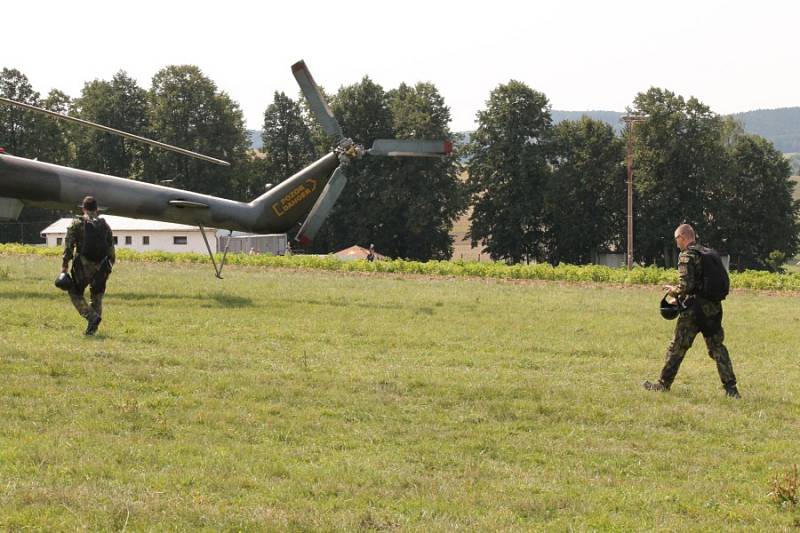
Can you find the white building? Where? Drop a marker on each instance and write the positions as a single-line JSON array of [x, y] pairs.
[[142, 235]]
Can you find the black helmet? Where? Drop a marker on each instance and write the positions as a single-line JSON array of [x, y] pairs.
[[670, 311], [64, 282]]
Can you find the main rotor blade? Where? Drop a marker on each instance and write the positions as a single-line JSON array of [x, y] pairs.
[[322, 207], [316, 102], [410, 148], [116, 132]]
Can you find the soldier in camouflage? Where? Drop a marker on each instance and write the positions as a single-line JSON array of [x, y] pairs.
[[698, 315], [86, 271]]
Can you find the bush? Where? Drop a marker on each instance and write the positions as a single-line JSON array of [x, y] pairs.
[[775, 260], [650, 275]]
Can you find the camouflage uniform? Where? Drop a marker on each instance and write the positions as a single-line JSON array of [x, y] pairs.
[[86, 272], [699, 316]]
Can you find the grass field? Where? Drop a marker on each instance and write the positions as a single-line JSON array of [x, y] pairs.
[[301, 400]]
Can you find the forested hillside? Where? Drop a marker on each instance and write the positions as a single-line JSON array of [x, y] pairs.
[[610, 117], [781, 126]]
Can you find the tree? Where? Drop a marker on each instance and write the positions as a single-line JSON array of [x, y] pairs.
[[428, 195], [52, 137], [363, 113], [288, 146], [679, 163], [120, 104], [185, 109], [760, 214], [585, 198], [405, 206], [508, 172], [17, 126], [29, 134]]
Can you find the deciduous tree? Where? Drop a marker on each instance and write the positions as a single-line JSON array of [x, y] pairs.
[[288, 146], [508, 173], [17, 126], [28, 134], [120, 104], [428, 194], [679, 162], [362, 111], [759, 211], [586, 193], [186, 109]]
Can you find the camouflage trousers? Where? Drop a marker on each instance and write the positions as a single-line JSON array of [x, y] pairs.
[[686, 330], [87, 273]]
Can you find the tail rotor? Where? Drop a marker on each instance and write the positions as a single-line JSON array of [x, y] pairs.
[[349, 151]]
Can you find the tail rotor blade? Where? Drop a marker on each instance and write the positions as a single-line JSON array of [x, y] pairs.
[[410, 148], [317, 103], [322, 207]]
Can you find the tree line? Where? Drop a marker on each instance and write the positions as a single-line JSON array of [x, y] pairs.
[[691, 165], [537, 191]]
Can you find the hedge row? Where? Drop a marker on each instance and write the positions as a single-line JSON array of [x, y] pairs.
[[588, 273]]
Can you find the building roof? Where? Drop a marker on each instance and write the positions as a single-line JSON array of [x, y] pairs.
[[124, 224], [356, 252]]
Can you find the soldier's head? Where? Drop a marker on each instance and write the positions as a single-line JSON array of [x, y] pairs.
[[89, 205], [684, 236]]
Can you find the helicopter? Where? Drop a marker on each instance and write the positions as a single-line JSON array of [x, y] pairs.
[[307, 196]]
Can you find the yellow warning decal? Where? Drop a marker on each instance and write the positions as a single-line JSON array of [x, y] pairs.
[[295, 196]]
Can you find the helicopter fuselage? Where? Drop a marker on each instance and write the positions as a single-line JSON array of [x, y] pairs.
[[40, 184]]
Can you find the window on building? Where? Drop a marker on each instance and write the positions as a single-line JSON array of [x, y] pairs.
[[128, 239], [116, 240], [146, 240], [59, 240], [180, 239]]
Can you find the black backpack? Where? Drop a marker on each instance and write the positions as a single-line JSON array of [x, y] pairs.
[[715, 284], [94, 246]]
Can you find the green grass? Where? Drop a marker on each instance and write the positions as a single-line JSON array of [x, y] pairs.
[[285, 399]]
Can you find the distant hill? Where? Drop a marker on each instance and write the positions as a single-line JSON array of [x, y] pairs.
[[611, 117], [794, 161], [781, 126], [255, 139]]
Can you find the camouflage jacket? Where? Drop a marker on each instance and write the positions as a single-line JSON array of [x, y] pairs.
[[73, 241], [690, 278]]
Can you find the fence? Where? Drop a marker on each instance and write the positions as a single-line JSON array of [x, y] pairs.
[[275, 244], [23, 232]]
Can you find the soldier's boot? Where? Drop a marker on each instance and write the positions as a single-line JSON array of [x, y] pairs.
[[86, 312], [732, 392], [94, 322], [658, 386]]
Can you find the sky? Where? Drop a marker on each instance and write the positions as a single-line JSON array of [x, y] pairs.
[[583, 55]]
